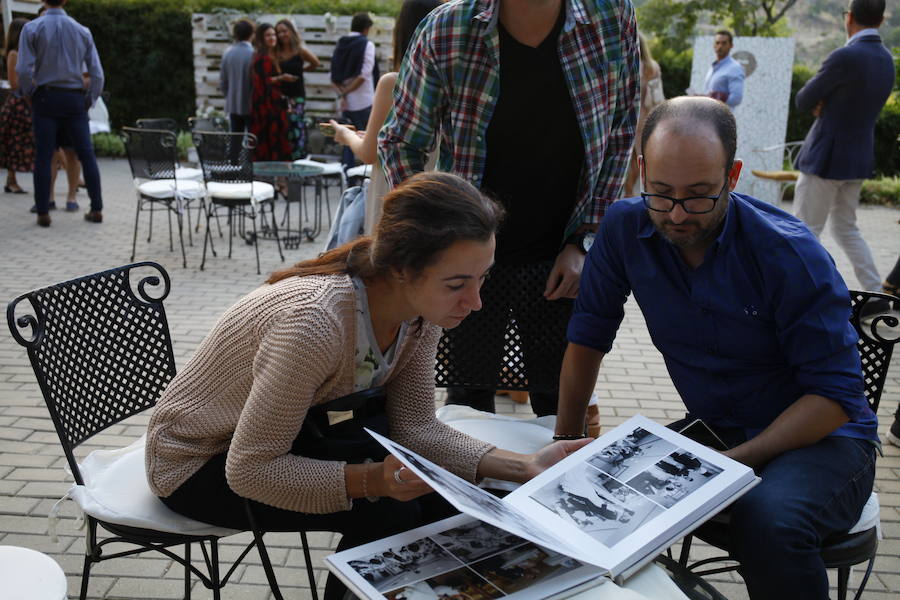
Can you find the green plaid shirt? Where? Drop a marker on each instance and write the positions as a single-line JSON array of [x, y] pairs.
[[450, 79]]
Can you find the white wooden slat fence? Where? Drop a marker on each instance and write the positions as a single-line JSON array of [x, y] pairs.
[[320, 33]]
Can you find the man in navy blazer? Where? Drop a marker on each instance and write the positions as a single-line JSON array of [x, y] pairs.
[[846, 96]]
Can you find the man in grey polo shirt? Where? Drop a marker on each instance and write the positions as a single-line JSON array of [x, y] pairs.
[[234, 80]]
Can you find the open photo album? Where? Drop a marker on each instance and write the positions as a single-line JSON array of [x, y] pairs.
[[606, 510]]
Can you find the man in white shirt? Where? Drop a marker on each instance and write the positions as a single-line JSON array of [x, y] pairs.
[[353, 74]]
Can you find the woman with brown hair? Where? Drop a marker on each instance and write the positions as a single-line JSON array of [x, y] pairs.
[[16, 135], [363, 143], [268, 112], [294, 58], [251, 415]]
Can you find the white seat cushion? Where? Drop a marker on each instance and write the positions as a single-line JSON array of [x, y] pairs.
[[170, 188], [258, 191], [328, 168], [359, 171], [116, 490], [870, 516], [188, 173]]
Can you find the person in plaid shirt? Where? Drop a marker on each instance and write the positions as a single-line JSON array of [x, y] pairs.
[[535, 102]]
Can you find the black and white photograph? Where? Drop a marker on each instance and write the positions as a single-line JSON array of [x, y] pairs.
[[631, 454], [605, 510], [522, 567], [673, 478], [477, 502], [461, 584], [476, 540], [399, 566]]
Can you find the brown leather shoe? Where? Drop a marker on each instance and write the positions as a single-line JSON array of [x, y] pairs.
[[43, 220], [95, 216]]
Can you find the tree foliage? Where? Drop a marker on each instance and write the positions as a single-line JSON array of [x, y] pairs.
[[674, 23]]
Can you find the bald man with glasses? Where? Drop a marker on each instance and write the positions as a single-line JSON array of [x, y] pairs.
[[752, 319]]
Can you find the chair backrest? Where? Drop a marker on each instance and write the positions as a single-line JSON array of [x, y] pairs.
[[875, 345], [99, 346], [225, 157], [152, 153], [158, 123], [207, 124], [791, 151]]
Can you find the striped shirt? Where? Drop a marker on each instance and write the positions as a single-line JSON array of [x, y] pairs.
[[450, 80]]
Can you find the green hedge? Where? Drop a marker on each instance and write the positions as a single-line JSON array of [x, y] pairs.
[[147, 53], [676, 70]]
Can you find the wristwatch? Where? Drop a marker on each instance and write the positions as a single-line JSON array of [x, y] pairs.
[[568, 436], [583, 240]]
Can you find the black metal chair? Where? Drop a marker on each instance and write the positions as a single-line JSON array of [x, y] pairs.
[[153, 157], [101, 352], [157, 123], [228, 172], [840, 551]]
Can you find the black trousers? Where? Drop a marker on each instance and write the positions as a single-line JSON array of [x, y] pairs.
[[207, 497]]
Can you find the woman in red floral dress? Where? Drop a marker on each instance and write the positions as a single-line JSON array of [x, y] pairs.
[[16, 134], [268, 112]]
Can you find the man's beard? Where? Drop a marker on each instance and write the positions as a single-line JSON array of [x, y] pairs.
[[699, 235]]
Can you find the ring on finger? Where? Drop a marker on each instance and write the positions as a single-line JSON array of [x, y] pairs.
[[397, 477]]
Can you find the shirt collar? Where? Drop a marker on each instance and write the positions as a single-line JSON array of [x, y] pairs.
[[718, 63], [487, 11], [54, 11], [354, 34], [862, 33]]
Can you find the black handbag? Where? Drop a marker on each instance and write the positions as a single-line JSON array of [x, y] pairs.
[[335, 430]]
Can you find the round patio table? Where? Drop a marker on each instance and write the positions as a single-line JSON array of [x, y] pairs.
[[296, 176]]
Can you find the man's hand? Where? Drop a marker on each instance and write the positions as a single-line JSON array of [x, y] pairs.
[[565, 274], [817, 109]]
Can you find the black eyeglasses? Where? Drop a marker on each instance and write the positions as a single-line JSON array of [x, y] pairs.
[[695, 205]]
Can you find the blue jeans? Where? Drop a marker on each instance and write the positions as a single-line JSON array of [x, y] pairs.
[[360, 119], [805, 495], [54, 111]]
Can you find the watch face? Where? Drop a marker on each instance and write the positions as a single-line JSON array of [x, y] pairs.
[[587, 241]]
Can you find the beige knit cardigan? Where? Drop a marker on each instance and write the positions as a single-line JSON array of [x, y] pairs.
[[278, 351]]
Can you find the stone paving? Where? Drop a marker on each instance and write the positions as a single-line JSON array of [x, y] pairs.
[[633, 380]]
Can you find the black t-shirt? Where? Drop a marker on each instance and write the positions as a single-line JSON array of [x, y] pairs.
[[535, 152], [294, 66]]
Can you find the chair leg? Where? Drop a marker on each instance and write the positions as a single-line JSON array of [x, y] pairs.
[[263, 553], [230, 229], [214, 569], [187, 212], [169, 215], [843, 582], [180, 219], [207, 237], [255, 239], [274, 229], [187, 571], [865, 579], [685, 554], [137, 215], [90, 540], [309, 569], [150, 230]]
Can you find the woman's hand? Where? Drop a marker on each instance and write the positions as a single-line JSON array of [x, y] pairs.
[[342, 133], [392, 474], [548, 456], [289, 77]]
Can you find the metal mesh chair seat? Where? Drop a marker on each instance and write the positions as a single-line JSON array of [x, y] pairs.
[[843, 550], [228, 172], [101, 352], [515, 342]]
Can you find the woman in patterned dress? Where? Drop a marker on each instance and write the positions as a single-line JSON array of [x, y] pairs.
[[16, 134], [294, 58], [268, 113]]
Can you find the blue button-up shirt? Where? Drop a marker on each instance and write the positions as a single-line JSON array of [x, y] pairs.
[[55, 50], [725, 81], [761, 322]]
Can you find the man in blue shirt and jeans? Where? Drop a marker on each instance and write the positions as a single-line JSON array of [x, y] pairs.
[[752, 319], [53, 53]]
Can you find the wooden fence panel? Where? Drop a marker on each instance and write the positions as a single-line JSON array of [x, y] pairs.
[[212, 36]]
